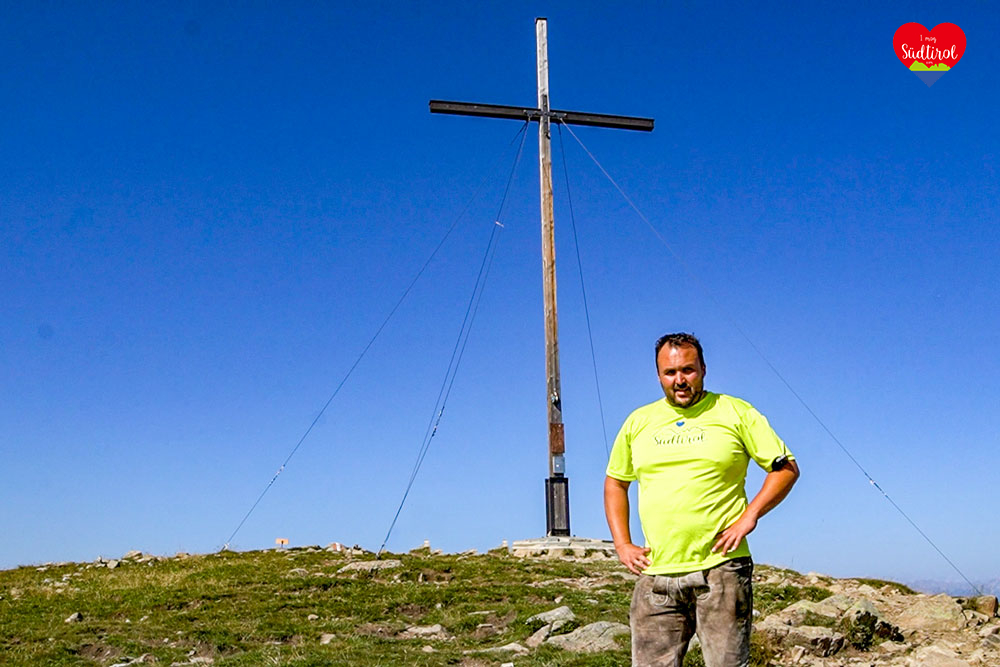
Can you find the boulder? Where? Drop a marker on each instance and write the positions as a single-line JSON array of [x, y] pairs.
[[866, 615], [862, 606], [804, 611], [564, 614], [835, 605], [369, 566], [985, 604], [937, 613], [816, 640], [936, 656], [599, 636], [974, 619], [773, 627], [535, 640]]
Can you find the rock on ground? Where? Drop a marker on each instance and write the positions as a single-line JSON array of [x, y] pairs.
[[564, 614], [435, 631], [599, 636], [816, 640], [369, 566], [936, 656], [935, 613], [512, 647], [985, 604]]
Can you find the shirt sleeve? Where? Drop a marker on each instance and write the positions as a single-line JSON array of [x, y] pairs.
[[760, 440], [620, 462]]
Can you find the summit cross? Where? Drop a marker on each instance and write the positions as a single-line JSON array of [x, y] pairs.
[[557, 483]]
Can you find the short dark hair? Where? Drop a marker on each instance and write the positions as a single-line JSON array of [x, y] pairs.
[[679, 340]]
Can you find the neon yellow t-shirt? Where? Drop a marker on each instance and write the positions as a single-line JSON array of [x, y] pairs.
[[691, 466]]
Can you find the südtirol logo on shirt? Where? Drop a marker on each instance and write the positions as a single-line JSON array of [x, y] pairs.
[[929, 53], [679, 434]]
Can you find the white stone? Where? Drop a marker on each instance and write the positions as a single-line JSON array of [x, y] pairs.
[[435, 631], [370, 566], [592, 638], [564, 614]]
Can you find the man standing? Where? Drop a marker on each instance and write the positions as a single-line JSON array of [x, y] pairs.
[[689, 452]]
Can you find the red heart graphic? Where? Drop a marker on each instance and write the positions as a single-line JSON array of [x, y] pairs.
[[944, 45]]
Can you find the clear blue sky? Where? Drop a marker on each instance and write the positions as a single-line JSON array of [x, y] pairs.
[[206, 211]]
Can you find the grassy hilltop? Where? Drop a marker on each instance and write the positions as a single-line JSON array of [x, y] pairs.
[[297, 607]]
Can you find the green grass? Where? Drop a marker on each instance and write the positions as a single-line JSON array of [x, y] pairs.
[[879, 583], [761, 654], [249, 609], [769, 598], [244, 609]]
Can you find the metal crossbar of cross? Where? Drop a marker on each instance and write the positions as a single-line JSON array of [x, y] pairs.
[[557, 484]]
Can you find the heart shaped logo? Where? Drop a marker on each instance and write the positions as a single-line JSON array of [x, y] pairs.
[[929, 53]]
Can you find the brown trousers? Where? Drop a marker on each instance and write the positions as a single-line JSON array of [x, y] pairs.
[[716, 603]]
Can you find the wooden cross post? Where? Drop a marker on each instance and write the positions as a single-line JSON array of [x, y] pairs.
[[557, 484]]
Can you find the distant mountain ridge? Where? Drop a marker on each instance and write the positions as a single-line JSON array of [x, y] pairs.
[[952, 587]]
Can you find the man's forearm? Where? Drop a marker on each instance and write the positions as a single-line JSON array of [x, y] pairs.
[[776, 486], [636, 559], [616, 510]]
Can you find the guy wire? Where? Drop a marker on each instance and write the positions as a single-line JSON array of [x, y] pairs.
[[767, 361], [583, 288], [459, 350], [378, 331]]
